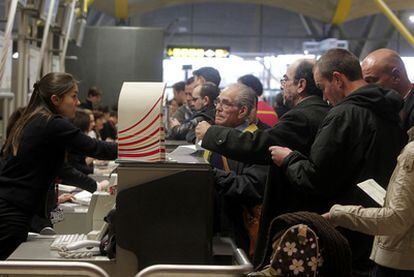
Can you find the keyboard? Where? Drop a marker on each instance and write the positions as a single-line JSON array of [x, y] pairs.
[[63, 240]]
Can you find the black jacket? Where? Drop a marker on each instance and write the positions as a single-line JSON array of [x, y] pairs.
[[86, 105], [109, 131], [25, 178], [240, 188], [73, 177], [78, 162], [68, 176], [359, 139], [185, 131], [296, 129]]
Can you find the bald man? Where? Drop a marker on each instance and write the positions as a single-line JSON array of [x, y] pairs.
[[386, 68]]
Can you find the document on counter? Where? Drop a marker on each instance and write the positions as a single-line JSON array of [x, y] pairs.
[[374, 190], [184, 150], [83, 197]]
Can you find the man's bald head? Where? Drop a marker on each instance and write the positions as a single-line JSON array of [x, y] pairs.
[[386, 68]]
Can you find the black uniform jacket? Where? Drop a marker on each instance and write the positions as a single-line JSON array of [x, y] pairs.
[[25, 178]]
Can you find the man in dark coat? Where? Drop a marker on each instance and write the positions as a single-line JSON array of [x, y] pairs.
[[92, 99], [203, 104], [296, 129], [359, 139], [386, 68], [239, 185]]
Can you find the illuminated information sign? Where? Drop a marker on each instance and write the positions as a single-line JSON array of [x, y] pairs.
[[198, 52]]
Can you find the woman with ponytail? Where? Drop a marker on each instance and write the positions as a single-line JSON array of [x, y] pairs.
[[34, 152]]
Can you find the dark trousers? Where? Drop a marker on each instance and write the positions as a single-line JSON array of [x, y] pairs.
[[381, 271], [14, 225]]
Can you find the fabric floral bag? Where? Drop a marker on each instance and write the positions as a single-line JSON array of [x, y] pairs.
[[295, 253]]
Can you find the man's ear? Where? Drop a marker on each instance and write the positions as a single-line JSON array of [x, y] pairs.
[[206, 101], [337, 78], [55, 100], [243, 112], [396, 75], [301, 85]]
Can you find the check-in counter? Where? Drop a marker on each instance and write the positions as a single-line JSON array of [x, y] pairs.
[[164, 213]]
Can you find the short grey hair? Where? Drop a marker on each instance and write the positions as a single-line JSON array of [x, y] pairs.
[[245, 96]]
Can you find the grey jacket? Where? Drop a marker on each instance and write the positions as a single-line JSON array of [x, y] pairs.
[[392, 224]]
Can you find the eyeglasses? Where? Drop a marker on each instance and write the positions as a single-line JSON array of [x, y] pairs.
[[284, 79], [223, 103]]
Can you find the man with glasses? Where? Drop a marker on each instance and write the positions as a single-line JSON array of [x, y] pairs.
[[239, 185], [202, 103], [297, 129]]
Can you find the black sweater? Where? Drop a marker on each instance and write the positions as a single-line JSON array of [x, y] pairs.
[[25, 178]]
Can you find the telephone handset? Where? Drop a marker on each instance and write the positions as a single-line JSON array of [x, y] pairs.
[[85, 248], [88, 244]]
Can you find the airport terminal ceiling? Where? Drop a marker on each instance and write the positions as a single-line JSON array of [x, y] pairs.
[[323, 10], [262, 27]]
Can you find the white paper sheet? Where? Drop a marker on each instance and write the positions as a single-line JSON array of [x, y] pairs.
[[374, 190]]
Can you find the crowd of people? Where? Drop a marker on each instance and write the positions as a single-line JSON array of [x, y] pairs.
[[338, 122], [346, 122]]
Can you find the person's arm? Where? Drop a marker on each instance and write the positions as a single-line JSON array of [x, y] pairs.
[[393, 219], [179, 115], [73, 177], [247, 187], [62, 130], [179, 132], [78, 161], [292, 130]]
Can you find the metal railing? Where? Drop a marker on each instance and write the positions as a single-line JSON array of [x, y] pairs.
[[243, 267], [51, 268]]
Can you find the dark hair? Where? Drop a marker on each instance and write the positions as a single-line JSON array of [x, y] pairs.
[[113, 114], [210, 90], [81, 120], [104, 109], [40, 104], [189, 81], [13, 119], [342, 61], [179, 86], [210, 74], [252, 82], [97, 115], [304, 70], [94, 91]]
